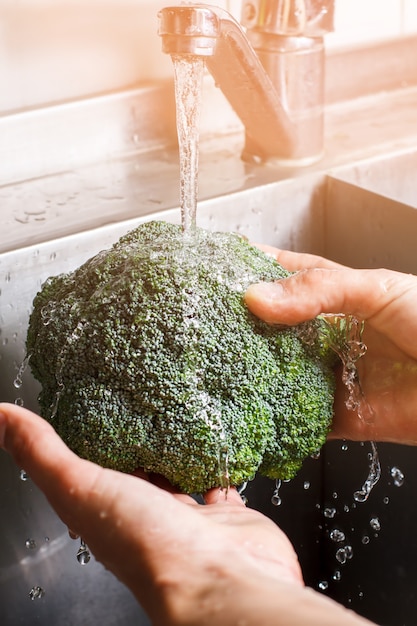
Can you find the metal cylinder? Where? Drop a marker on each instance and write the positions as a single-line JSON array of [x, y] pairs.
[[188, 30], [295, 66]]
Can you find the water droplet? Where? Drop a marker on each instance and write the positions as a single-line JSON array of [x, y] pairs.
[[83, 554], [306, 485], [397, 476], [375, 524], [344, 447], [241, 490], [224, 468], [386, 500], [365, 540], [337, 575], [23, 475], [22, 369], [335, 495], [19, 402], [47, 313], [349, 552], [337, 535], [323, 585], [374, 475], [316, 455], [30, 544], [329, 512], [36, 593], [341, 556], [276, 499]]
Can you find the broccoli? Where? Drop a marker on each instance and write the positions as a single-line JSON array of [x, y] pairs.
[[148, 357]]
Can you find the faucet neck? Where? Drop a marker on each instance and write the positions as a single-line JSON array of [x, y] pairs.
[[274, 82]]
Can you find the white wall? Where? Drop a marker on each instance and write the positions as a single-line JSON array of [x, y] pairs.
[[55, 50]]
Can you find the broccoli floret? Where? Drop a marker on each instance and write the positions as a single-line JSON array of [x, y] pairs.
[[148, 357]]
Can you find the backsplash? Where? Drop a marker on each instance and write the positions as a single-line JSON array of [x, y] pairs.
[[57, 50]]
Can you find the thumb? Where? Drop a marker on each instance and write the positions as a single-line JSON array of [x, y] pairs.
[[310, 292]]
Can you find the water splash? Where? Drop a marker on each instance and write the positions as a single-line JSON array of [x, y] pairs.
[[344, 335], [374, 475], [61, 363]]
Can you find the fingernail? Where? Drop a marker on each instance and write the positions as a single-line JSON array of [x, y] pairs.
[[2, 428], [266, 291]]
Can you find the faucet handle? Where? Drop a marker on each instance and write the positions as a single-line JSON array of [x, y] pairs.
[[310, 18]]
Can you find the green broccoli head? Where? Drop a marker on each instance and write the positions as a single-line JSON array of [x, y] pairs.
[[148, 357]]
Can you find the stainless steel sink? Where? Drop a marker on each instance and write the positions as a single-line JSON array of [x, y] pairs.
[[363, 214], [375, 202]]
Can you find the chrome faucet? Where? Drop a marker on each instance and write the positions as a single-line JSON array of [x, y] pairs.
[[272, 72]]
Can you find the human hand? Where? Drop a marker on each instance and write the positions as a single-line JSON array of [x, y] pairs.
[[387, 302], [173, 553], [187, 564]]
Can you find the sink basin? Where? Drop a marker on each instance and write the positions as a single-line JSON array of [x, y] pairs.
[[375, 203], [363, 215]]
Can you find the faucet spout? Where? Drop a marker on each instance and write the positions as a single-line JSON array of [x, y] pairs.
[[281, 122]]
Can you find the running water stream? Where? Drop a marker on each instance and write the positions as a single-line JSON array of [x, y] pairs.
[[188, 73]]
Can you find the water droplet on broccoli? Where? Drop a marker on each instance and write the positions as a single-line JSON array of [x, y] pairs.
[[276, 498]]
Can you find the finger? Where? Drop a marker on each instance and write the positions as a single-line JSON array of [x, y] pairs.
[[81, 492], [308, 293], [228, 496]]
